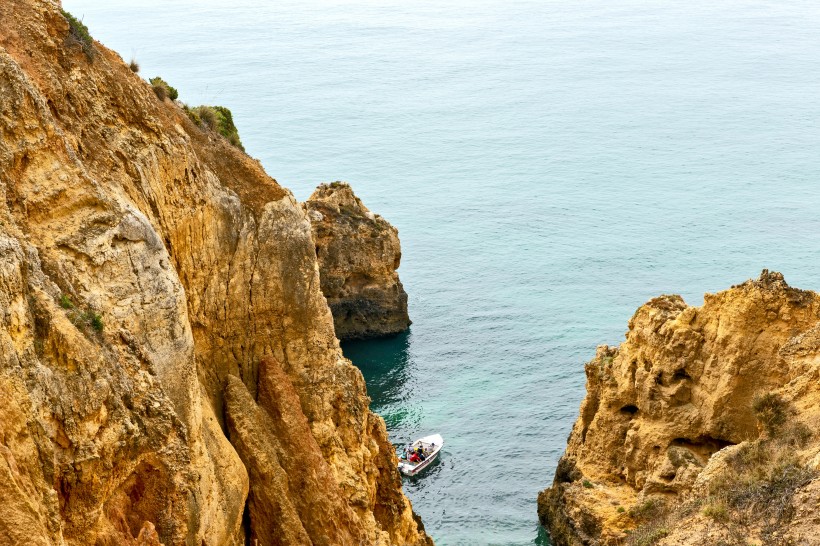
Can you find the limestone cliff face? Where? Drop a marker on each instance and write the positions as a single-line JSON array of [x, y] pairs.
[[358, 254], [146, 269], [677, 392]]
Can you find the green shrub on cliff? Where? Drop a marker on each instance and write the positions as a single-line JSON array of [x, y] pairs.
[[81, 319], [163, 89], [78, 34], [212, 118], [94, 320], [217, 119], [65, 302]]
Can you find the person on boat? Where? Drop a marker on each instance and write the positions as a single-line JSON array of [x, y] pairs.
[[420, 453], [414, 458]]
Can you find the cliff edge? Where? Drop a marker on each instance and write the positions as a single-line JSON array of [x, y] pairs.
[[167, 359], [700, 428], [358, 254]]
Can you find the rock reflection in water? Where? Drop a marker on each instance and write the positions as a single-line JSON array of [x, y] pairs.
[[388, 371]]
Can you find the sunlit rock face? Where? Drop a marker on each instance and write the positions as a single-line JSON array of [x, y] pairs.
[[147, 267], [677, 392], [358, 253]]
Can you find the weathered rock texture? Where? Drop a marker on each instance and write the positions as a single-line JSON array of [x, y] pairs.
[[145, 267], [676, 392], [358, 253]]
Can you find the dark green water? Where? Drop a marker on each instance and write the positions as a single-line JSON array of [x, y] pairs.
[[401, 397]]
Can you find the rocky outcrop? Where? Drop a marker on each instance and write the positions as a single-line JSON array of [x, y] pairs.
[[294, 498], [358, 254], [673, 417], [146, 266]]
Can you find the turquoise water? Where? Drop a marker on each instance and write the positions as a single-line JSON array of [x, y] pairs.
[[550, 167]]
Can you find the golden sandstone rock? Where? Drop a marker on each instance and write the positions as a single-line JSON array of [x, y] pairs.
[[145, 266], [669, 420], [358, 254]]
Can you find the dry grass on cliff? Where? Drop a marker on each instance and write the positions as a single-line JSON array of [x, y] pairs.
[[656, 517], [751, 497], [754, 493]]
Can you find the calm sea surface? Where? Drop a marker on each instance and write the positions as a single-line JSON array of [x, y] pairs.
[[550, 166]]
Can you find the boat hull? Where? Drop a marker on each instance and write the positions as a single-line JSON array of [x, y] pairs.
[[434, 443]]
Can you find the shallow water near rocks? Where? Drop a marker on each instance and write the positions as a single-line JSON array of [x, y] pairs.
[[550, 166]]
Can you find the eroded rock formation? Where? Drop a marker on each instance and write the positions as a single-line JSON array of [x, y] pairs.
[[673, 408], [147, 267], [358, 254]]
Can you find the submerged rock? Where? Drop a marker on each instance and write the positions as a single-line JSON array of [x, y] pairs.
[[641, 460], [358, 254]]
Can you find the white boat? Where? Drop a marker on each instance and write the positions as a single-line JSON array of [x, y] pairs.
[[430, 448]]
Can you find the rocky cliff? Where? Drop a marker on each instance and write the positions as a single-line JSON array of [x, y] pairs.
[[700, 427], [358, 254], [167, 359]]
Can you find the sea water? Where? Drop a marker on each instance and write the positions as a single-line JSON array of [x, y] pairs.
[[550, 167]]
